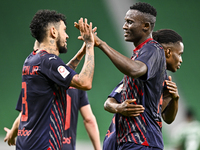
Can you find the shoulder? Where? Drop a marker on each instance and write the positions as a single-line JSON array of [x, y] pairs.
[[153, 45]]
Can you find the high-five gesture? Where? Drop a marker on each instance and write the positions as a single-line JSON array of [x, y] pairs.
[[86, 31]]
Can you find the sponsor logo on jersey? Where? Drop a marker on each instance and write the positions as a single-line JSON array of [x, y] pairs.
[[63, 71], [54, 57], [24, 132], [67, 140]]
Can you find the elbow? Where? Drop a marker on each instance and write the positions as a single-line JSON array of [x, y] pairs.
[[88, 87], [169, 121], [105, 106], [90, 120]]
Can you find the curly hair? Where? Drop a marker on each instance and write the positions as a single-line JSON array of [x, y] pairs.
[[166, 36], [145, 8], [41, 21]]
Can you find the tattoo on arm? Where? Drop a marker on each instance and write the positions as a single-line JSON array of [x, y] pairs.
[[89, 66], [74, 63]]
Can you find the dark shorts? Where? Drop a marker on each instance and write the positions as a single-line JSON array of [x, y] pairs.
[[133, 146]]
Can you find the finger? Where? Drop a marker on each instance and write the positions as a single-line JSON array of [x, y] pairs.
[[94, 29], [170, 78], [136, 110], [5, 139], [80, 22], [6, 129], [130, 100], [85, 22], [135, 115], [76, 25], [90, 26], [80, 37]]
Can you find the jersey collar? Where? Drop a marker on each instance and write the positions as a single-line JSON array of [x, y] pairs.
[[142, 44]]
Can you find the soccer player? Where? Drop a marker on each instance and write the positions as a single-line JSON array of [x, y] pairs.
[[45, 79], [186, 136], [76, 100], [144, 75], [173, 47]]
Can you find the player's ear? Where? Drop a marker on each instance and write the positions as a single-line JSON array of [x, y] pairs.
[[146, 26], [54, 32], [168, 52]]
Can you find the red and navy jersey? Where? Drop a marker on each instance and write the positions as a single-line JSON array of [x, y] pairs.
[[147, 90], [75, 100], [45, 78]]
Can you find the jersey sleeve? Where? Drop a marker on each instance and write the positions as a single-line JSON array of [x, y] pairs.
[[56, 70], [83, 98], [116, 93], [150, 55], [19, 103]]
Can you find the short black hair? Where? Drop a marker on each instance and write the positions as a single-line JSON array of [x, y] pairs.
[[190, 113], [166, 36], [41, 20], [145, 8]]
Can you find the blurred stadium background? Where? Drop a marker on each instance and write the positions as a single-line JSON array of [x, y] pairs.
[[108, 15]]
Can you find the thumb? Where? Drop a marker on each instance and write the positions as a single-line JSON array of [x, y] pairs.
[[170, 78], [131, 100], [94, 29], [6, 129], [80, 37]]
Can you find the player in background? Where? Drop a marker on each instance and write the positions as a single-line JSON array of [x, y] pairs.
[[173, 47], [186, 135], [79, 101], [45, 79]]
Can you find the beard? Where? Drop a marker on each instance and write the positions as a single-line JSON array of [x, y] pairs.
[[62, 49]]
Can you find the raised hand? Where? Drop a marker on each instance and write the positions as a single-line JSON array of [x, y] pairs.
[[96, 38], [86, 31]]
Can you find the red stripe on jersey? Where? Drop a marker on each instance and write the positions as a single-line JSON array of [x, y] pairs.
[[59, 112], [130, 130], [122, 134], [55, 135], [56, 121], [141, 132], [51, 144]]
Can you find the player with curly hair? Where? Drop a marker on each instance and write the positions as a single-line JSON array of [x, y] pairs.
[[45, 79]]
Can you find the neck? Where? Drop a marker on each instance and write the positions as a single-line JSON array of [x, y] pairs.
[[50, 47], [142, 40]]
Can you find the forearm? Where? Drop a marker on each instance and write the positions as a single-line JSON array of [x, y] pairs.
[[73, 63], [170, 111], [87, 72], [83, 80], [111, 105], [124, 64], [166, 101], [15, 126], [93, 132]]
